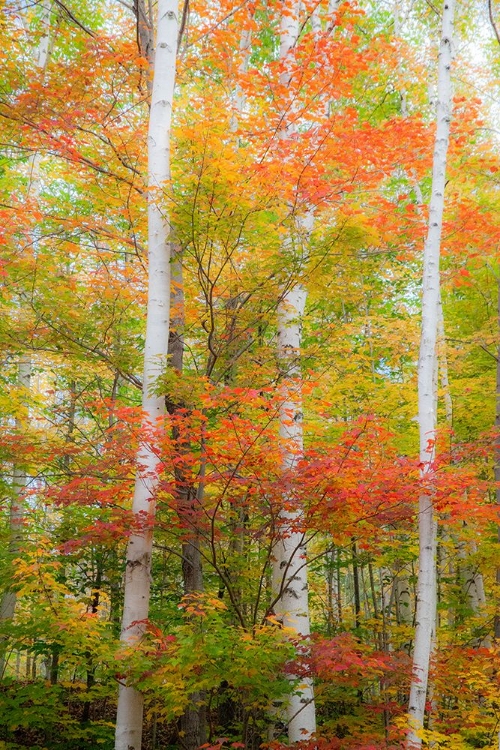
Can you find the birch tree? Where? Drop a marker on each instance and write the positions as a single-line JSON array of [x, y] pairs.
[[290, 554], [17, 506], [426, 588], [19, 478], [139, 550]]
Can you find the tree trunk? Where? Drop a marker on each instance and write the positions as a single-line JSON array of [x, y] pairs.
[[8, 602], [426, 591], [192, 722], [497, 454], [17, 511], [289, 565], [138, 565], [355, 583], [289, 575], [402, 598], [94, 608], [443, 367]]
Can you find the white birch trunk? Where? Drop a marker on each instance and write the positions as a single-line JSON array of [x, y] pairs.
[[331, 15], [289, 33], [316, 21], [479, 585], [17, 510], [19, 476], [43, 50], [239, 95], [402, 596], [472, 580], [138, 566], [290, 555], [426, 589], [443, 367], [496, 621], [333, 7], [469, 580]]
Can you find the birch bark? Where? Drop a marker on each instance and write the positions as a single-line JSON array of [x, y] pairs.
[[138, 564], [426, 589], [19, 477], [496, 623], [290, 554], [17, 512], [443, 367]]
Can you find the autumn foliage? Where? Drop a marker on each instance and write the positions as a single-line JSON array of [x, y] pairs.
[[347, 142]]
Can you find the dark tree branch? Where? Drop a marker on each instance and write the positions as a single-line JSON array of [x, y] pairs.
[[70, 15], [492, 20]]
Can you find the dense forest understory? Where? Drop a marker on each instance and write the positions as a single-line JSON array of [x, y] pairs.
[[250, 393]]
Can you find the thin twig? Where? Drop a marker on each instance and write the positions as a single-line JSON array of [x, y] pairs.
[[74, 19], [185, 15]]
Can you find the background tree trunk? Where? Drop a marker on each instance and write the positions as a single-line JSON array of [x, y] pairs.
[[19, 477]]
